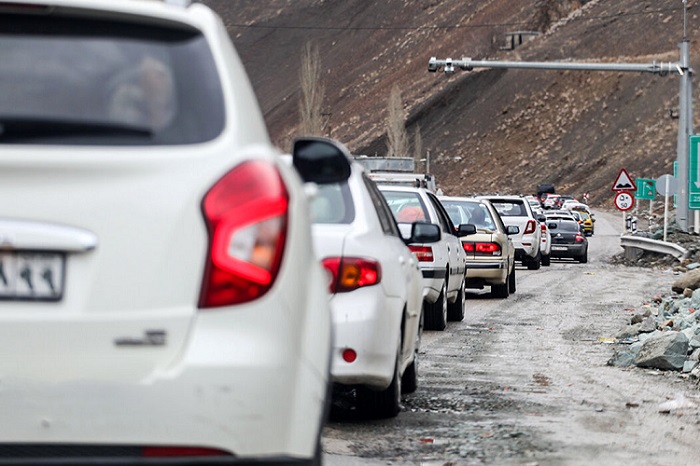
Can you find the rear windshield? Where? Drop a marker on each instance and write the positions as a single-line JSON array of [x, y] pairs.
[[407, 207], [333, 204], [513, 208], [568, 226], [84, 81]]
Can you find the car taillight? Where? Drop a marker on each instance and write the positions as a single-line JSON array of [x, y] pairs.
[[468, 247], [490, 249], [579, 238], [543, 227], [530, 227], [246, 216], [422, 253], [351, 273]]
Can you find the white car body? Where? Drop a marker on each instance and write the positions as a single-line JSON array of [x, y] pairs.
[[123, 345], [516, 211], [376, 325], [443, 263]]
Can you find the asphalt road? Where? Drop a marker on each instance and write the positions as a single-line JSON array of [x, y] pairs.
[[524, 380]]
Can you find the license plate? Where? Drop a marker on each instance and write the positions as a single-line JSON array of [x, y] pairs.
[[559, 248], [31, 276]]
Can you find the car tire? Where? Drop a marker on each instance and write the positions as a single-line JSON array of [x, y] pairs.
[[385, 403], [535, 263], [436, 317], [455, 310], [546, 260], [501, 291], [583, 258], [511, 281]]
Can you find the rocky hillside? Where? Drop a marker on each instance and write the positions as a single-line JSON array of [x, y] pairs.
[[487, 130]]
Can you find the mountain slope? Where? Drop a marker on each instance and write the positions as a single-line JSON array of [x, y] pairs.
[[487, 130]]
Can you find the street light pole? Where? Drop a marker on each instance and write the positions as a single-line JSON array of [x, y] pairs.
[[682, 68]]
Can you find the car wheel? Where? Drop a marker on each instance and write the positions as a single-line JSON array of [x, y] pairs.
[[455, 311], [546, 260], [511, 281], [382, 403], [501, 291], [583, 258], [436, 317], [535, 263]]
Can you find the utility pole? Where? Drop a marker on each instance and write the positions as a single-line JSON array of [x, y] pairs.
[[681, 67]]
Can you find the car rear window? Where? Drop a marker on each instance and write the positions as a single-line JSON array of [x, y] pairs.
[[87, 81], [333, 204], [513, 208], [407, 207], [568, 226]]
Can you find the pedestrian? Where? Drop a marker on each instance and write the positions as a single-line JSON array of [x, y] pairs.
[[585, 197]]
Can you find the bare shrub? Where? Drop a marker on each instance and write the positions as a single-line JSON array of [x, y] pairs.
[[397, 137], [312, 92]]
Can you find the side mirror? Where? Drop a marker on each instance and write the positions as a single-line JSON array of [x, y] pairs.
[[321, 160], [512, 230], [466, 229], [541, 218], [422, 232]]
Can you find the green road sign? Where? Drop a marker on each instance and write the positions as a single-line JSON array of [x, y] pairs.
[[646, 189], [694, 174]]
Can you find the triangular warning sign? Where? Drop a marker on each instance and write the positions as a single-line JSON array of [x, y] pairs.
[[623, 182]]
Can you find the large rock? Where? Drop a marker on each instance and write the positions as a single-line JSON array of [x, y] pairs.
[[690, 279], [668, 350]]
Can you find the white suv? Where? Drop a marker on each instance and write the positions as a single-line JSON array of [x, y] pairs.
[[516, 211], [159, 288]]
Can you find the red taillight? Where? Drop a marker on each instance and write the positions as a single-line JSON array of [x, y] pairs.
[[530, 227], [543, 227], [422, 253], [351, 273], [491, 249], [169, 452], [246, 215], [486, 249], [579, 238]]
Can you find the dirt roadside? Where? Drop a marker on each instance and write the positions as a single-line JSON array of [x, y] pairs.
[[525, 381]]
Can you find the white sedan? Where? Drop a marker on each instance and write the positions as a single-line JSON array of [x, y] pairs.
[[376, 292], [442, 263]]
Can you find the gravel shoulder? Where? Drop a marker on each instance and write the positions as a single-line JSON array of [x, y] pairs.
[[525, 380]]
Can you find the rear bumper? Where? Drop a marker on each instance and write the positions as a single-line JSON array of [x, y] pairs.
[[571, 250], [433, 279], [480, 273], [251, 381], [368, 322]]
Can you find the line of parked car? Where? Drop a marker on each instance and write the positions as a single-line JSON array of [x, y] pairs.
[[175, 290]]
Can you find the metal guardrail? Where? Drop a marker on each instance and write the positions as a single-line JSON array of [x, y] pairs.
[[630, 242]]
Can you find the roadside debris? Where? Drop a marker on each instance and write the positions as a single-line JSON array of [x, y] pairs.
[[663, 333]]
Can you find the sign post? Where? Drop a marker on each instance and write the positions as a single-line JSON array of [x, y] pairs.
[[646, 190], [624, 199], [666, 185]]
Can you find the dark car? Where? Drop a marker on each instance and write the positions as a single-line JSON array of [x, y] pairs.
[[568, 240]]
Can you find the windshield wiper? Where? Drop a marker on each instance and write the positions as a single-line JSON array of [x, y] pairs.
[[23, 128]]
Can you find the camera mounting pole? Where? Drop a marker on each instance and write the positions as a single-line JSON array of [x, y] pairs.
[[685, 117]]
